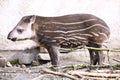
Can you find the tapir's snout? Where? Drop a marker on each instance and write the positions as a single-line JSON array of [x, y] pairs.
[[10, 37]]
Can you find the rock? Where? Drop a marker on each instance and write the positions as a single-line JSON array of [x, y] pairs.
[[43, 56], [79, 54], [3, 61], [28, 55], [26, 58]]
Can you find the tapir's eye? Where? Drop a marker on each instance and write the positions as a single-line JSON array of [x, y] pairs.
[[20, 30]]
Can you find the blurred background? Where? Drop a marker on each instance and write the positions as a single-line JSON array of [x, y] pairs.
[[11, 11]]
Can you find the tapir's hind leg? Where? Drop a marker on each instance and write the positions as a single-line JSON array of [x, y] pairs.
[[101, 57], [96, 56], [93, 57]]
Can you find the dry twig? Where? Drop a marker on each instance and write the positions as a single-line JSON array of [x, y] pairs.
[[116, 60], [60, 74], [108, 71], [99, 49], [102, 49], [95, 74], [86, 66]]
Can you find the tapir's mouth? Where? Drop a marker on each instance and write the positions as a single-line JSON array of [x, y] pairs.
[[24, 39], [15, 39]]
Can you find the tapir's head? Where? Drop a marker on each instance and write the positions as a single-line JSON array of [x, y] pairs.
[[24, 29]]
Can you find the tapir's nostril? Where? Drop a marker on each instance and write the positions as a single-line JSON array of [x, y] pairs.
[[10, 38], [13, 39]]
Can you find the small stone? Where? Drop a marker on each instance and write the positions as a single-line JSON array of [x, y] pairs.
[[42, 56], [9, 64], [23, 66]]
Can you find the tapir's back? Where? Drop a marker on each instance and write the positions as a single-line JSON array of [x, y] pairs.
[[74, 30]]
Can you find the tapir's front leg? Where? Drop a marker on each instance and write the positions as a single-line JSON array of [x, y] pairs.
[[53, 52]]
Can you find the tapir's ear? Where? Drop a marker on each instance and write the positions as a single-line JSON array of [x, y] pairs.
[[33, 18]]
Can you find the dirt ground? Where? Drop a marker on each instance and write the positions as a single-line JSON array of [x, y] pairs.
[[31, 72], [28, 72]]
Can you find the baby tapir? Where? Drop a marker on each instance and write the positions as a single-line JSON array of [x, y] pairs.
[[63, 31]]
